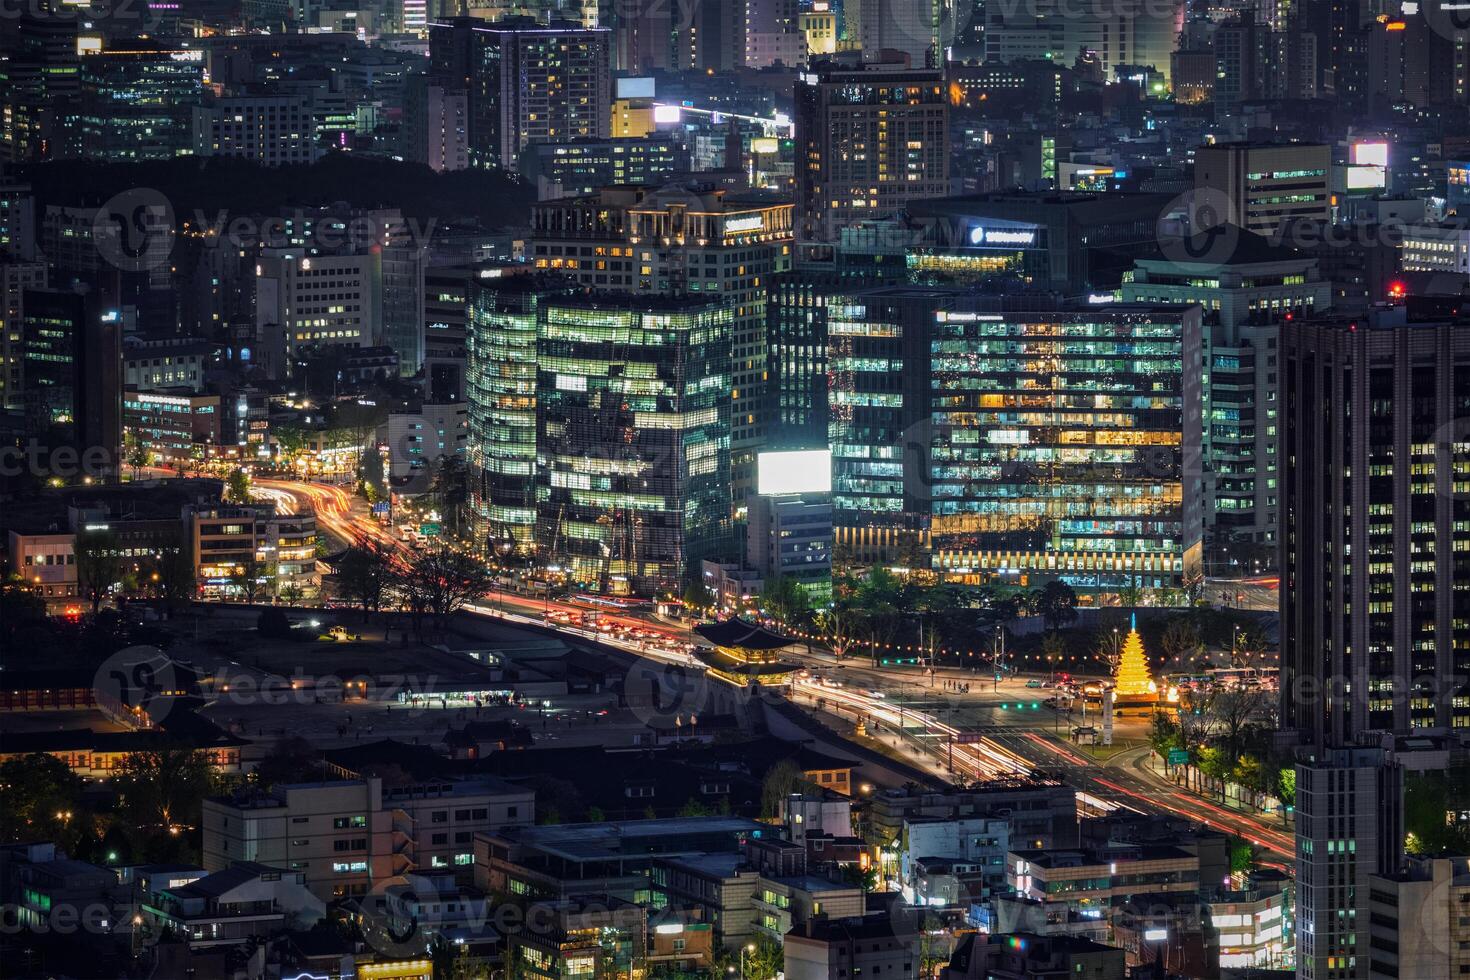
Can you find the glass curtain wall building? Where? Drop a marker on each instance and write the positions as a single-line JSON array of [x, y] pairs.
[[501, 390], [1066, 446], [633, 438]]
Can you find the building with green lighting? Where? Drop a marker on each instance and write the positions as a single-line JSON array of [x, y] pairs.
[[1066, 445], [138, 102], [632, 437], [500, 388]]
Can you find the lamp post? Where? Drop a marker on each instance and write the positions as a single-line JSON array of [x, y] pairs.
[[747, 948]]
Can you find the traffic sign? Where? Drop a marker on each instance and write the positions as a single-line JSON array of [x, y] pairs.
[[1178, 757]]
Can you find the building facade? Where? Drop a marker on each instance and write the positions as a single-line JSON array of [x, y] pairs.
[[682, 241], [633, 437], [869, 139]]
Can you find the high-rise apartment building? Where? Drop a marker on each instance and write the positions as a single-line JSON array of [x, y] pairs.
[[527, 82], [682, 241], [1065, 445], [1349, 828], [1416, 923], [436, 125], [869, 139], [633, 437], [1258, 186], [1375, 614]]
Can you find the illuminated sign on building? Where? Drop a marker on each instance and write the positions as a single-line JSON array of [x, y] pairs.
[[801, 471], [754, 222], [980, 235]]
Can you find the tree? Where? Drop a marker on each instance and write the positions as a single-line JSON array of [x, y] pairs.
[[164, 787], [252, 578], [1164, 734], [441, 582], [451, 491], [697, 599], [1130, 596], [290, 760], [272, 622], [364, 573], [864, 878], [237, 486], [33, 790], [135, 452], [98, 565], [1181, 640], [291, 593], [21, 606], [767, 959], [783, 599], [781, 780], [1056, 604], [174, 566], [1229, 713]]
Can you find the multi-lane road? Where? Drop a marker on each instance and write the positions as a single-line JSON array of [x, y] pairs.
[[953, 718]]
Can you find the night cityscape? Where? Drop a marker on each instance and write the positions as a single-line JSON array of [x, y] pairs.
[[735, 489]]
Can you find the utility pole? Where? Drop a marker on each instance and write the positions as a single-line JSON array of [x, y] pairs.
[[999, 650]]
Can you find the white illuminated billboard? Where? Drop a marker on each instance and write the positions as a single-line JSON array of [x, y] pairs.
[[1366, 178], [798, 471], [666, 114], [634, 88], [1370, 154]]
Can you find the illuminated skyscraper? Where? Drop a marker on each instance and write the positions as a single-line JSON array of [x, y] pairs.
[[633, 437], [501, 391], [869, 139], [1066, 445]]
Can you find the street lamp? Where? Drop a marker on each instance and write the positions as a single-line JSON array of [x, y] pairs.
[[747, 948]]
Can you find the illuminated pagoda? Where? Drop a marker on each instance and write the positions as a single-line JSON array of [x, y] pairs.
[[1133, 685], [745, 652]]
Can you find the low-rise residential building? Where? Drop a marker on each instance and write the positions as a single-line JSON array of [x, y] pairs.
[[41, 886], [1042, 813], [346, 835], [1077, 891], [237, 905], [48, 564], [1251, 927], [953, 862], [1027, 956], [252, 552], [167, 363], [830, 948]]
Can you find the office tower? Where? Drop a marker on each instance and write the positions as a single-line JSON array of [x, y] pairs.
[[878, 420], [309, 300], [772, 34], [268, 129], [682, 241], [1376, 635], [446, 312], [137, 102], [869, 139], [1416, 926], [1437, 247], [633, 437], [1132, 32], [17, 221], [1349, 827], [1260, 185], [1241, 59], [526, 82], [71, 377], [500, 387], [436, 125], [1065, 445], [1245, 295], [907, 26], [679, 35], [15, 279], [401, 263], [41, 79], [587, 166]]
